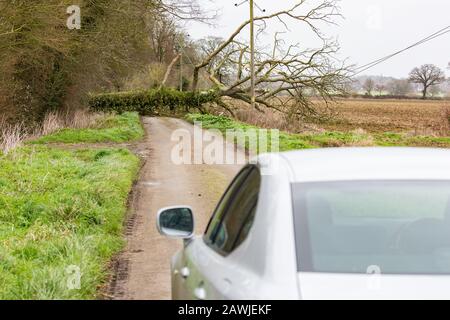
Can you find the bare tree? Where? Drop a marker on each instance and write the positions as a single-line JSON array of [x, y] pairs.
[[380, 88], [222, 63], [427, 75], [399, 87], [369, 86], [287, 76], [163, 38]]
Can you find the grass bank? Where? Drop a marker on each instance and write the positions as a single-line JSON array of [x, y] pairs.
[[113, 128], [62, 211], [323, 139]]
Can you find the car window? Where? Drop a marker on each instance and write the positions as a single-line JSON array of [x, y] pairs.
[[219, 213], [238, 219], [395, 227]]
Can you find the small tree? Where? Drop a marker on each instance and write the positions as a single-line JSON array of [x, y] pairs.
[[369, 86], [380, 88], [435, 91], [399, 87], [428, 76]]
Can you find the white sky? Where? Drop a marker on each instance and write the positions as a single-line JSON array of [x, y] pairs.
[[371, 29]]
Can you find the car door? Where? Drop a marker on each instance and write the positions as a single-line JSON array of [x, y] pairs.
[[211, 275]]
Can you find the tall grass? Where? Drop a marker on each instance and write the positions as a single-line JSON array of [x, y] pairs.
[[11, 136], [110, 128], [14, 135], [79, 119]]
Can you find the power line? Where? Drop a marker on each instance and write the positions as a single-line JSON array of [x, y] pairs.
[[372, 64], [255, 4], [417, 43]]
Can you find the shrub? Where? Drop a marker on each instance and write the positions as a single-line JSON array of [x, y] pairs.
[[150, 101]]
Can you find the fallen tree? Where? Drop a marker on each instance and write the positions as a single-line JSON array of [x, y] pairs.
[[287, 76], [151, 102]]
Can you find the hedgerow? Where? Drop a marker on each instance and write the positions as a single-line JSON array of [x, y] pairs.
[[150, 101]]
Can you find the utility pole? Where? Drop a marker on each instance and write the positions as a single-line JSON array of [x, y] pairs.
[[181, 70], [252, 47], [252, 53]]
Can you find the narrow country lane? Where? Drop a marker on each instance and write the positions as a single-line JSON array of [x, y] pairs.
[[142, 270]]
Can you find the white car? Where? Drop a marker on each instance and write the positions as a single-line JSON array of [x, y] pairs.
[[355, 223]]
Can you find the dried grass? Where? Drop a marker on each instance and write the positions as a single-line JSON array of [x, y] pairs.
[[13, 135], [55, 121], [272, 119]]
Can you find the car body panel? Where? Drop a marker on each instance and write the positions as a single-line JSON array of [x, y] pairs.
[[325, 286], [264, 266]]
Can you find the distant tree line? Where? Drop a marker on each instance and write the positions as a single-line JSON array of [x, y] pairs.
[[429, 79]]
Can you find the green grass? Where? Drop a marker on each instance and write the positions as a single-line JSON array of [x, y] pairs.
[[61, 208], [289, 141], [115, 128], [398, 139], [221, 123]]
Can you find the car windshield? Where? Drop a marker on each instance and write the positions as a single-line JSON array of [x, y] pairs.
[[388, 227]]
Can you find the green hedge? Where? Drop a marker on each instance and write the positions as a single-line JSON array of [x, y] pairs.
[[150, 101]]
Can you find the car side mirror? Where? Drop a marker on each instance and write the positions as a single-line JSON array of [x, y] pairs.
[[176, 222]]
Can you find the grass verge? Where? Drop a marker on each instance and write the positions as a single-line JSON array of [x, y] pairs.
[[113, 128], [290, 141], [61, 210]]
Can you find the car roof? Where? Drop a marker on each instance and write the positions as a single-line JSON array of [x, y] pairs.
[[343, 164]]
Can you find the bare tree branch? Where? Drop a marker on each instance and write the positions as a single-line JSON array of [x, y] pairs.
[[184, 10], [325, 11]]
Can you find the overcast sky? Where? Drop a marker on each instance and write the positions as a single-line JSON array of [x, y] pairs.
[[371, 29]]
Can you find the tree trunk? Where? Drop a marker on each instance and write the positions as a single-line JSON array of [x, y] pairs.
[[169, 70], [195, 79], [424, 92]]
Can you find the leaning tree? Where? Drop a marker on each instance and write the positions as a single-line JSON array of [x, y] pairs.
[[287, 76], [428, 76]]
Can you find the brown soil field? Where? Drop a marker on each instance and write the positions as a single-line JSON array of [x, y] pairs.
[[428, 117]]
